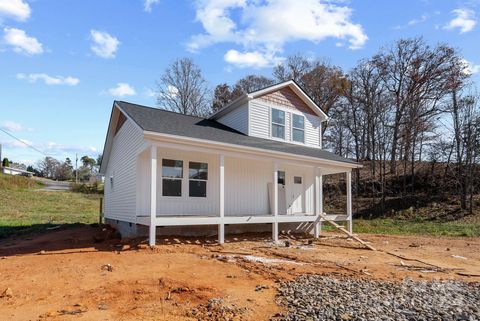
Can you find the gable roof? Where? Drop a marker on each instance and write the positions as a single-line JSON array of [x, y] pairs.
[[258, 93], [166, 122]]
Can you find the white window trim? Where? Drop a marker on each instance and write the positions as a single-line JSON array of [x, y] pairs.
[[198, 180], [185, 197], [171, 178], [284, 124], [297, 128]]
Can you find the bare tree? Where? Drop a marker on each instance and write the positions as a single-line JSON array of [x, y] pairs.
[[250, 84], [183, 89]]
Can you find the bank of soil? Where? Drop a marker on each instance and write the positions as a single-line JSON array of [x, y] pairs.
[[84, 274]]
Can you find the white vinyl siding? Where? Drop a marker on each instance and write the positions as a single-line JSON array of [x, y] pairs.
[[236, 119], [260, 123], [121, 202], [259, 119], [312, 130]]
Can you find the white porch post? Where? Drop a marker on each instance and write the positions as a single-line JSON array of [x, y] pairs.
[[318, 201], [153, 194], [349, 201], [221, 197], [275, 202]]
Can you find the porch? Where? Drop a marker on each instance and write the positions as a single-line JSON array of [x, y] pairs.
[[238, 189]]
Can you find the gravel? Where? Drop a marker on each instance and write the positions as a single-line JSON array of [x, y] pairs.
[[315, 297]]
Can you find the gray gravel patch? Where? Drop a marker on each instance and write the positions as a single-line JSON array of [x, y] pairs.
[[315, 297]]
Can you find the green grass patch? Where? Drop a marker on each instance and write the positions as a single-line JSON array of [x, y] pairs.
[[415, 227], [24, 208]]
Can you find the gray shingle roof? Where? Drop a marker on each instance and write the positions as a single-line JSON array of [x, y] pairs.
[[167, 122]]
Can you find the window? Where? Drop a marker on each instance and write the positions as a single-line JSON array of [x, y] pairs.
[[281, 178], [278, 123], [172, 174], [298, 128], [297, 180], [198, 176]]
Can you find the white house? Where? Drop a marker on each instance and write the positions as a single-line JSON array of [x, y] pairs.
[[163, 169]]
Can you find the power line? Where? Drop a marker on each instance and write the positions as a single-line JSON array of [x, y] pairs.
[[21, 141]]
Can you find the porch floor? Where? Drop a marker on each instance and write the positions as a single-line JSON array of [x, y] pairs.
[[182, 220]]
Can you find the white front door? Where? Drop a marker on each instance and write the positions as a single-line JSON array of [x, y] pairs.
[[297, 195]]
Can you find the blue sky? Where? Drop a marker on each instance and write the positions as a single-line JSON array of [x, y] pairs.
[[64, 62]]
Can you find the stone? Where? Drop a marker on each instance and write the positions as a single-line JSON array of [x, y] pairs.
[[7, 293]]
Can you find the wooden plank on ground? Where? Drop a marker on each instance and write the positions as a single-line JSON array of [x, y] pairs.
[[356, 238]]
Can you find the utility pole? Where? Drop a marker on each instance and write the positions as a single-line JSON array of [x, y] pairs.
[[76, 168]]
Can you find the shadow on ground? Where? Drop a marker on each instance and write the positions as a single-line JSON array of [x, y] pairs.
[[48, 239]]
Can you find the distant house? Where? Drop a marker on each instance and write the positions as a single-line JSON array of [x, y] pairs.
[[257, 163], [16, 171]]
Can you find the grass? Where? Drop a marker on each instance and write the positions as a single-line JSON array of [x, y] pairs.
[[414, 227], [25, 209]]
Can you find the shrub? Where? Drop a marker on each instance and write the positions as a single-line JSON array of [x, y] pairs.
[[95, 188]]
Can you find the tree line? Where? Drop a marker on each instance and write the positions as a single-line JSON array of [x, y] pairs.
[[52, 168], [408, 105]]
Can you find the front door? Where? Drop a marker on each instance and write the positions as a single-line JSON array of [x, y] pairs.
[[297, 195]]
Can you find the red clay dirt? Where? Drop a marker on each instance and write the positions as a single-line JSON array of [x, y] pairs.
[[65, 275]]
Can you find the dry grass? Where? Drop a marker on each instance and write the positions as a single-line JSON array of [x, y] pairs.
[[24, 208]]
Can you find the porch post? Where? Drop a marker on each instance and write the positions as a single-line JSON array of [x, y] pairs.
[[275, 202], [349, 201], [318, 201], [221, 197], [153, 194]]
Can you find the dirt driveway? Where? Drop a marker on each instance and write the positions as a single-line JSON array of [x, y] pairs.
[[65, 275]]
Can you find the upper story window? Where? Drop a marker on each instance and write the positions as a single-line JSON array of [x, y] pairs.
[[172, 174], [278, 123], [298, 128], [198, 175]]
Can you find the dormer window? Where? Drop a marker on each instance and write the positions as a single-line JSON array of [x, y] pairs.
[[278, 123], [298, 128]]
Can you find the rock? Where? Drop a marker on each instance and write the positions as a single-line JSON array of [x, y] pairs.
[[107, 267], [320, 297], [287, 243], [8, 293], [261, 287]]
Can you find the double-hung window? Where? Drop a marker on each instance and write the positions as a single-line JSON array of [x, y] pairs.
[[198, 176], [278, 123], [298, 128], [172, 175]]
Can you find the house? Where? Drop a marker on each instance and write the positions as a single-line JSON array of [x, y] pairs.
[[16, 171], [257, 163]]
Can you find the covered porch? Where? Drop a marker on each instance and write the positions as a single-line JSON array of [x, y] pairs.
[[232, 187]]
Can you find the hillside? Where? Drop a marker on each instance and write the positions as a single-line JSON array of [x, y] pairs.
[[26, 208]]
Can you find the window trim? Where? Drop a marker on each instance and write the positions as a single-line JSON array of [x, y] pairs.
[[173, 178], [298, 128], [284, 125], [197, 180], [185, 179]]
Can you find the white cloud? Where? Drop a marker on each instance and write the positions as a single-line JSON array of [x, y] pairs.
[[23, 143], [464, 20], [11, 126], [122, 89], [21, 42], [470, 67], [263, 28], [49, 80], [104, 45], [16, 9], [150, 93], [253, 59], [147, 5]]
